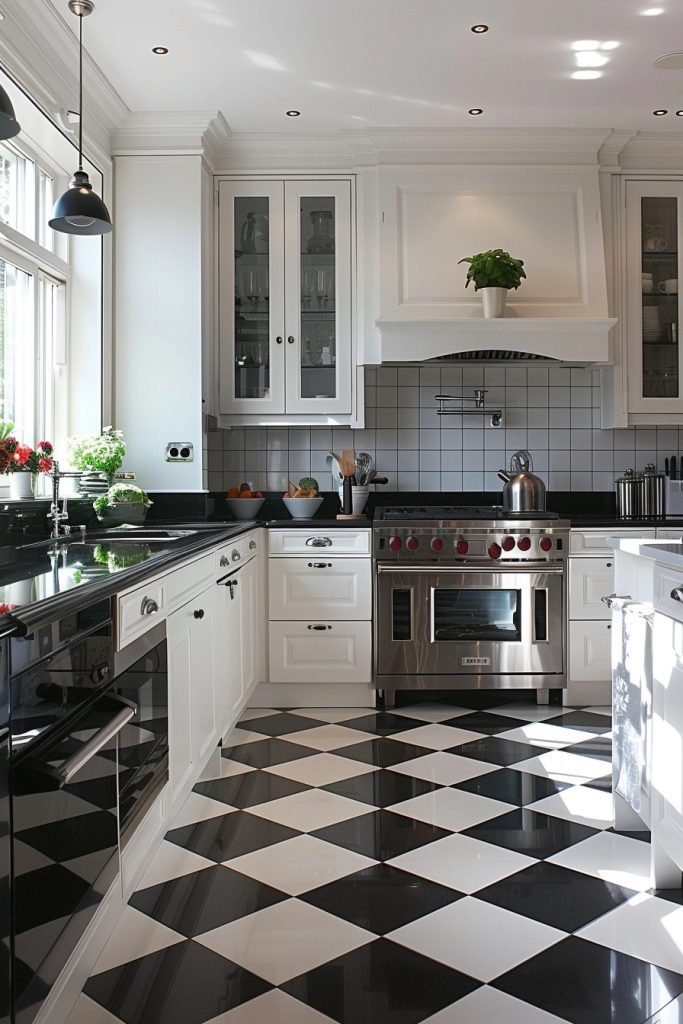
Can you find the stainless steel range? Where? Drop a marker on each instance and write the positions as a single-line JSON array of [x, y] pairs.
[[468, 598]]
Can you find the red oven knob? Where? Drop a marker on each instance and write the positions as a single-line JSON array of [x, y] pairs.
[[508, 543], [437, 544], [412, 543], [395, 544], [545, 543], [524, 543], [461, 547], [494, 551]]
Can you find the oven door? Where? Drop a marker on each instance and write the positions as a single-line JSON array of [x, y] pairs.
[[451, 622]]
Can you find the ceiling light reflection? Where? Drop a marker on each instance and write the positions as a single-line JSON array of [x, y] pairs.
[[611, 44], [652, 12], [591, 59], [585, 44], [264, 60], [586, 76]]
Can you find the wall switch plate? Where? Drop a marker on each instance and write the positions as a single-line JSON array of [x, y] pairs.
[[179, 451]]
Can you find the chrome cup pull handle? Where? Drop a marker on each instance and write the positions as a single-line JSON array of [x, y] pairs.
[[318, 626], [318, 542], [148, 606], [677, 594]]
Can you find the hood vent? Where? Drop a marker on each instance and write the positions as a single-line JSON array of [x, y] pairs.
[[492, 356]]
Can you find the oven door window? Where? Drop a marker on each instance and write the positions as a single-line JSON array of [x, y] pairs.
[[469, 616]]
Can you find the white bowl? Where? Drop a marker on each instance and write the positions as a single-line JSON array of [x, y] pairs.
[[302, 508], [245, 508]]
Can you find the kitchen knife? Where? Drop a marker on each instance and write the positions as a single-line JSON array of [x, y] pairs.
[[666, 467], [672, 464]]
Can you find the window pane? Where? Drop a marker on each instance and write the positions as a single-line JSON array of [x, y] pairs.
[[17, 190], [17, 368], [46, 199]]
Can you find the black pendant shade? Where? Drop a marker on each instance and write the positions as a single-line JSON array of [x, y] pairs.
[[79, 210], [9, 126]]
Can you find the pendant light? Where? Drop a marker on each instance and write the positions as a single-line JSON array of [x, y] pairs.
[[79, 210], [9, 126]]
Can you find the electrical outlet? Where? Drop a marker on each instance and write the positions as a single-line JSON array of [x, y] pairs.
[[179, 451]]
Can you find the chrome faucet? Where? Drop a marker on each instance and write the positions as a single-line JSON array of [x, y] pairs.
[[58, 516]]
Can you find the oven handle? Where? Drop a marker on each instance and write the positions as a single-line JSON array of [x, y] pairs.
[[516, 570], [78, 760]]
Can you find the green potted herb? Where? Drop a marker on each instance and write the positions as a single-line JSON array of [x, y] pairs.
[[494, 272], [99, 457], [123, 503]]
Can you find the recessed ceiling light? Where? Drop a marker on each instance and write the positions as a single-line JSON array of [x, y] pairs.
[[476, 110], [479, 29], [611, 44], [660, 113], [669, 61], [293, 113], [160, 49], [590, 59], [585, 44], [586, 76], [652, 12]]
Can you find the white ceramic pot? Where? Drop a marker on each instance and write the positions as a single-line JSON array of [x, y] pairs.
[[20, 485], [493, 302]]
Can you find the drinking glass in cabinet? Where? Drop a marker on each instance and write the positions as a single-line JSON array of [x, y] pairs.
[[322, 239]]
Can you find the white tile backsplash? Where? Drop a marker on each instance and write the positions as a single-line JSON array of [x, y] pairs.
[[554, 411]]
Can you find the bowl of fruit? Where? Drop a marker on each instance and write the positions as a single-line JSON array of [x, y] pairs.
[[243, 502], [303, 501]]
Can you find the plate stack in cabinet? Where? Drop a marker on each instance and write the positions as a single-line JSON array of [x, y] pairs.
[[320, 616], [591, 577]]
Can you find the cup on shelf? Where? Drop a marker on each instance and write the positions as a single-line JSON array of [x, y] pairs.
[[647, 284], [668, 287]]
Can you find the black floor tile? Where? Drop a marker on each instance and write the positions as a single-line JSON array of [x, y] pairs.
[[604, 784], [487, 723], [381, 983], [585, 983], [600, 748], [584, 721], [383, 723], [381, 898], [280, 724], [264, 753], [512, 787], [249, 789], [381, 835], [643, 837], [383, 752], [564, 899], [47, 894], [73, 837], [673, 895], [496, 751], [184, 984], [197, 903], [230, 835], [525, 831], [382, 788]]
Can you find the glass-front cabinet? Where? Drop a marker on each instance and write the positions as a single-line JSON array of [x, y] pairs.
[[284, 283], [654, 230]]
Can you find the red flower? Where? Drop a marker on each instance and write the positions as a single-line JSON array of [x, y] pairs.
[[10, 443], [46, 446], [4, 608], [22, 454], [45, 465]]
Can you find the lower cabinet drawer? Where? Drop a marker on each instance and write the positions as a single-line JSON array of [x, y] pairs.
[[590, 579], [139, 610], [337, 588], [668, 592], [590, 650], [320, 652]]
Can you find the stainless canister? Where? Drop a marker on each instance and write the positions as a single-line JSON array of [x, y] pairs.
[[653, 492], [627, 495]]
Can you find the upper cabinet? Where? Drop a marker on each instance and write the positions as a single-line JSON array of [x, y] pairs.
[[285, 260]]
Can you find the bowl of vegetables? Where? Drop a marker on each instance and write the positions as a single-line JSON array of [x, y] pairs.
[[243, 502], [123, 503], [303, 502]]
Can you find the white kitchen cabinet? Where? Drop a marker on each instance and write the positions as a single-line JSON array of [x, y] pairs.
[[285, 263], [320, 652], [590, 645], [335, 541], [590, 579], [667, 751], [598, 542], [338, 588]]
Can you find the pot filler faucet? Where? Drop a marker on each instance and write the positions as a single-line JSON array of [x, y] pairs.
[[58, 517]]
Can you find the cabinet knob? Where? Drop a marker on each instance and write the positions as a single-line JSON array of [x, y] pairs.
[[609, 565], [148, 606], [235, 556], [198, 613], [677, 594], [278, 340], [252, 545], [224, 561], [290, 339]]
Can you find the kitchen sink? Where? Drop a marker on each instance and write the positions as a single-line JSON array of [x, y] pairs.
[[137, 534]]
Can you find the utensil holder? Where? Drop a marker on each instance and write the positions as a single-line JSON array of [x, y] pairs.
[[673, 498], [359, 498]]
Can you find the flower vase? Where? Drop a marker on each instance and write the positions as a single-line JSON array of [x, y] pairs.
[[20, 485]]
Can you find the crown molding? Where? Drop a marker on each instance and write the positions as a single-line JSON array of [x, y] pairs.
[[613, 147], [156, 133], [654, 151]]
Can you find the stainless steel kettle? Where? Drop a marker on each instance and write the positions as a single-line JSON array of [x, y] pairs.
[[523, 490]]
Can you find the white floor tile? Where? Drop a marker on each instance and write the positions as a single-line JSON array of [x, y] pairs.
[[86, 1011], [489, 1006], [280, 942], [321, 769], [300, 864], [462, 863], [545, 734], [333, 715], [135, 935], [444, 769], [564, 766], [237, 737], [529, 712], [171, 861], [275, 1007], [328, 737], [611, 857], [647, 927], [252, 713], [199, 808], [452, 808], [432, 712], [437, 737], [310, 810], [220, 767], [477, 938], [591, 807]]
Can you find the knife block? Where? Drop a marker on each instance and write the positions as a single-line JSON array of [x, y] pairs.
[[673, 498]]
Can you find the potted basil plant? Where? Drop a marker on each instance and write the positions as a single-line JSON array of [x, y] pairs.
[[99, 457], [494, 272], [123, 503]]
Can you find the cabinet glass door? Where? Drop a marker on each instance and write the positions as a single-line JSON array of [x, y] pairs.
[[318, 297], [252, 297], [654, 218]]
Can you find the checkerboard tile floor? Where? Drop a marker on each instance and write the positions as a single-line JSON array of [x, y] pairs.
[[433, 865]]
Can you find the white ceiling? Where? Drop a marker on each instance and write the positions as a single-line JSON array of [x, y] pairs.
[[351, 64]]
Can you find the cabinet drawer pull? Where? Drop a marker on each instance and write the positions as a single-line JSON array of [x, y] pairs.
[[198, 613], [318, 542], [677, 594], [319, 627], [252, 545], [320, 565], [148, 606], [224, 561]]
